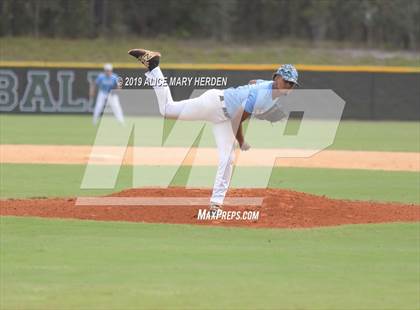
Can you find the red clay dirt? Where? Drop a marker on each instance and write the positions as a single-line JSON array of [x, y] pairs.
[[280, 209]]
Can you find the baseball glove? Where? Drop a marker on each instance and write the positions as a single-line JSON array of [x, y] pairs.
[[273, 114]]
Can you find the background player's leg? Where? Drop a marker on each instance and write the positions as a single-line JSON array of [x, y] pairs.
[[225, 140], [99, 106], [114, 102]]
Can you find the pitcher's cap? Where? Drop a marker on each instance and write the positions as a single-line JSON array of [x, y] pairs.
[[288, 73]]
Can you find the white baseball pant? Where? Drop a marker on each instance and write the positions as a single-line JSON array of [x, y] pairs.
[[113, 101], [207, 107]]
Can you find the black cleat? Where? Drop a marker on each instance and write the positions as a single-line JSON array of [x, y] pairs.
[[214, 209], [149, 59]]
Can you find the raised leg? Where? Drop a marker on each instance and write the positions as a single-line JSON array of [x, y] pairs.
[[207, 107]]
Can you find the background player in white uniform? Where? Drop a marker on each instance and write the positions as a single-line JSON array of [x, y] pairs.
[[225, 109], [105, 83]]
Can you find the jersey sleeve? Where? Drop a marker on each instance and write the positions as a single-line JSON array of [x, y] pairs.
[[250, 100]]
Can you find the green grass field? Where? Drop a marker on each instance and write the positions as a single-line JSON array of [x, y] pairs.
[[70, 264], [78, 130], [196, 51], [95, 265]]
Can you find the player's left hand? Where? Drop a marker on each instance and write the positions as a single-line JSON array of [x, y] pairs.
[[245, 146]]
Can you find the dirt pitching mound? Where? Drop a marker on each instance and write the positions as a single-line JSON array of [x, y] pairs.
[[280, 209]]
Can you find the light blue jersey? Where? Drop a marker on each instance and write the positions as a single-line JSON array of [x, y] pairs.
[[106, 83], [253, 98]]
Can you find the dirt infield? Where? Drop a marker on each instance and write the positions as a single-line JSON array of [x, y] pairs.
[[102, 155], [280, 209]]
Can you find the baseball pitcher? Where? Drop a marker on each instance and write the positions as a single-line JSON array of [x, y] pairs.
[[105, 83], [225, 109]]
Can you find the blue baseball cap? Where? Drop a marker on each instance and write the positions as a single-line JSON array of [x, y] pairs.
[[288, 73]]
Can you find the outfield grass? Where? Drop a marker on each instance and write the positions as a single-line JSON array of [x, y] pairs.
[[71, 129], [21, 181], [199, 51], [131, 266]]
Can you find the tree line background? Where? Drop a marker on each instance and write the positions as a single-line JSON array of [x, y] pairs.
[[384, 23]]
